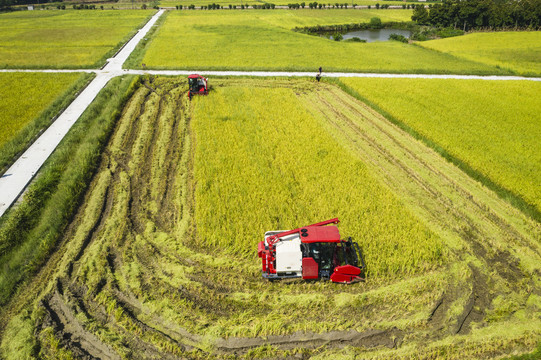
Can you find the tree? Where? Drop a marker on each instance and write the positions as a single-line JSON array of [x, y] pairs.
[[375, 23], [420, 15]]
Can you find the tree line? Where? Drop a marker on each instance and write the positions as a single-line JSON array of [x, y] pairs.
[[6, 5], [481, 14]]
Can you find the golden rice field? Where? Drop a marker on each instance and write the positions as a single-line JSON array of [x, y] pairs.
[[40, 90], [65, 39], [22, 117], [160, 260], [493, 127], [518, 51], [294, 180], [263, 40]]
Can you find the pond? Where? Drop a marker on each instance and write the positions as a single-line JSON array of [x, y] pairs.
[[376, 35]]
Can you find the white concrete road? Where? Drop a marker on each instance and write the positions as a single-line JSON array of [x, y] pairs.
[[117, 72], [19, 175], [333, 75]]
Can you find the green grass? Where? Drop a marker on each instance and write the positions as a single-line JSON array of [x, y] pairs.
[[491, 127], [263, 40], [535, 355], [517, 51], [30, 231], [29, 102], [65, 39]]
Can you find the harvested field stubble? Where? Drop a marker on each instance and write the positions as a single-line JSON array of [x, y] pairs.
[[30, 231], [160, 260]]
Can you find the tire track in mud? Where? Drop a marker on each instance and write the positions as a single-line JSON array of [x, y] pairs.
[[447, 198]]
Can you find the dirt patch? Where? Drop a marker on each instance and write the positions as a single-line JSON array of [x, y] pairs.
[[478, 301]]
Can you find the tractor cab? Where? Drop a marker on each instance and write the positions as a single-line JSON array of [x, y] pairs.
[[311, 252], [197, 85]]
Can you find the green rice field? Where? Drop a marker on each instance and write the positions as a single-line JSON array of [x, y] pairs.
[[65, 39], [494, 127], [40, 91], [519, 52], [263, 40], [225, 3]]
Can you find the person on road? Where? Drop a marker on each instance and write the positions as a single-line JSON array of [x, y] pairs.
[[318, 76]]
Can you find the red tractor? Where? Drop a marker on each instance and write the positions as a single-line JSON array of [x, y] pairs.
[[311, 252], [197, 85]]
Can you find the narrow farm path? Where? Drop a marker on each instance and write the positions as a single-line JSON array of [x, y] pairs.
[[17, 177]]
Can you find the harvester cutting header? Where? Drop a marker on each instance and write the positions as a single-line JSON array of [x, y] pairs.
[[197, 85], [312, 252]]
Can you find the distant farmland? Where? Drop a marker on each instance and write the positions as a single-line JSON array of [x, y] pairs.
[[65, 39], [263, 40]]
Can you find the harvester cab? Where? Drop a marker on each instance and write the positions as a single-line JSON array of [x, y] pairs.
[[311, 252], [197, 85]]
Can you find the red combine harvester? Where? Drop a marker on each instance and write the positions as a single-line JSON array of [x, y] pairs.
[[197, 85], [311, 252]]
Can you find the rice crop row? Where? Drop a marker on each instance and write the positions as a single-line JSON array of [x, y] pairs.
[[263, 40], [23, 117], [65, 39], [492, 127]]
